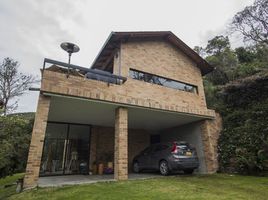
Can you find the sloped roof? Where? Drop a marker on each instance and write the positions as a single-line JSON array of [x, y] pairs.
[[115, 38]]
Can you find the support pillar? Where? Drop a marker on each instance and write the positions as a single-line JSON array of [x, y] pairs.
[[37, 141], [121, 144], [93, 149], [210, 131]]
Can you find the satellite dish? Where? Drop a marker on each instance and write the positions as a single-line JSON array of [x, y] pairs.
[[69, 48]]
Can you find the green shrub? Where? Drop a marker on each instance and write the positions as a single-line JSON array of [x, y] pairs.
[[243, 143], [15, 133]]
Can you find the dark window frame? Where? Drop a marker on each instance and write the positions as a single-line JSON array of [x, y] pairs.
[[160, 80]]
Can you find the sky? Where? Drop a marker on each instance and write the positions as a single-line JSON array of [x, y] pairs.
[[32, 30]]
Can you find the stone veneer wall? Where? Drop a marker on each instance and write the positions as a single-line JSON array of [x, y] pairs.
[[210, 131], [37, 141]]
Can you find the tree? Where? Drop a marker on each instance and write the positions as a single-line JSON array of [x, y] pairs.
[[12, 83], [217, 45], [200, 51], [262, 55], [245, 55], [252, 22], [252, 59], [222, 58]]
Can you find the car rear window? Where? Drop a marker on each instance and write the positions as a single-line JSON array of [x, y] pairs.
[[160, 147]]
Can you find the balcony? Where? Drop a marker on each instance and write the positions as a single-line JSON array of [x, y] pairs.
[[93, 74], [76, 82]]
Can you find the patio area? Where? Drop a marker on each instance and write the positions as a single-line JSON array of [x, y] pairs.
[[57, 181]]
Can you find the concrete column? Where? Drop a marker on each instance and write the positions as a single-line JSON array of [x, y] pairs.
[[121, 144], [37, 141], [210, 131]]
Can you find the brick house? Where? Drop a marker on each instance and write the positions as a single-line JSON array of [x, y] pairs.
[[142, 88]]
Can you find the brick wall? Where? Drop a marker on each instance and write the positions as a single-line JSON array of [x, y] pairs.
[[102, 143], [121, 144], [163, 59], [158, 58], [37, 141], [138, 140], [132, 92]]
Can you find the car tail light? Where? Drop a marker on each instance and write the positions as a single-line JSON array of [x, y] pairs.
[[174, 148]]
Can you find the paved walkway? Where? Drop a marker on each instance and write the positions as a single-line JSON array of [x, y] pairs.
[[55, 181]]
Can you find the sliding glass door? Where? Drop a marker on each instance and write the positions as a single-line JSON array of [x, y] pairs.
[[66, 149], [77, 149]]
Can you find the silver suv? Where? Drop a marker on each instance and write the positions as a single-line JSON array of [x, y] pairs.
[[167, 157]]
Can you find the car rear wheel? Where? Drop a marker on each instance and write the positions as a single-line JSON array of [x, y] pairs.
[[188, 171], [136, 167], [163, 168]]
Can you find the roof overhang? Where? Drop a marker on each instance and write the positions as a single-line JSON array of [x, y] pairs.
[[114, 40]]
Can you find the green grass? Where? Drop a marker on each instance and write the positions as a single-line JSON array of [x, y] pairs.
[[8, 191], [218, 186]]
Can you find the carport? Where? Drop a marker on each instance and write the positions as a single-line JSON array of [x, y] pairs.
[[90, 126]]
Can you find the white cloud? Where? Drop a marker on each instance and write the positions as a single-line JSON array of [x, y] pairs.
[[32, 30]]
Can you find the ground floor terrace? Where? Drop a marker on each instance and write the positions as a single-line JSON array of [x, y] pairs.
[[64, 180], [75, 136]]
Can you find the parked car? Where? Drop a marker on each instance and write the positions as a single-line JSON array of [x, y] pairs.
[[167, 157]]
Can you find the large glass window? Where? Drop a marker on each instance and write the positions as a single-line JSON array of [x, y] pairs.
[[53, 151], [66, 149], [77, 150], [166, 82]]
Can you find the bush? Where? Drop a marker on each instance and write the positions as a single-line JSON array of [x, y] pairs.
[[243, 143], [15, 134]]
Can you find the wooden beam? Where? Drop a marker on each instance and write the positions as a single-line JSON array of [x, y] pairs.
[[107, 61]]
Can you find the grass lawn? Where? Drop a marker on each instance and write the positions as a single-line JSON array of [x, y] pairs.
[[8, 191], [218, 186]]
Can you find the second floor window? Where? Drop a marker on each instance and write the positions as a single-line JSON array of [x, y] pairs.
[[151, 78]]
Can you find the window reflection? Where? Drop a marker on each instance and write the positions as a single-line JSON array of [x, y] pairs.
[[150, 78]]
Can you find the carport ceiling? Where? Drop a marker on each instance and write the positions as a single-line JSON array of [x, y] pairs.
[[72, 110]]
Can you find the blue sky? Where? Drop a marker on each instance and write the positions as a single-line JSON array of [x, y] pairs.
[[32, 30]]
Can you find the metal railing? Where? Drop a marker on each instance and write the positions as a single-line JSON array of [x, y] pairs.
[[94, 74]]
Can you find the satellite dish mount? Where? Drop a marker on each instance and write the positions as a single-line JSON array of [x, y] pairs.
[[69, 48]]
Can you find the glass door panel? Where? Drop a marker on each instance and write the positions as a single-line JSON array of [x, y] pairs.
[[77, 151], [66, 149], [52, 162]]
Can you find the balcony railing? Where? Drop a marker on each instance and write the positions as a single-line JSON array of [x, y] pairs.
[[94, 74]]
